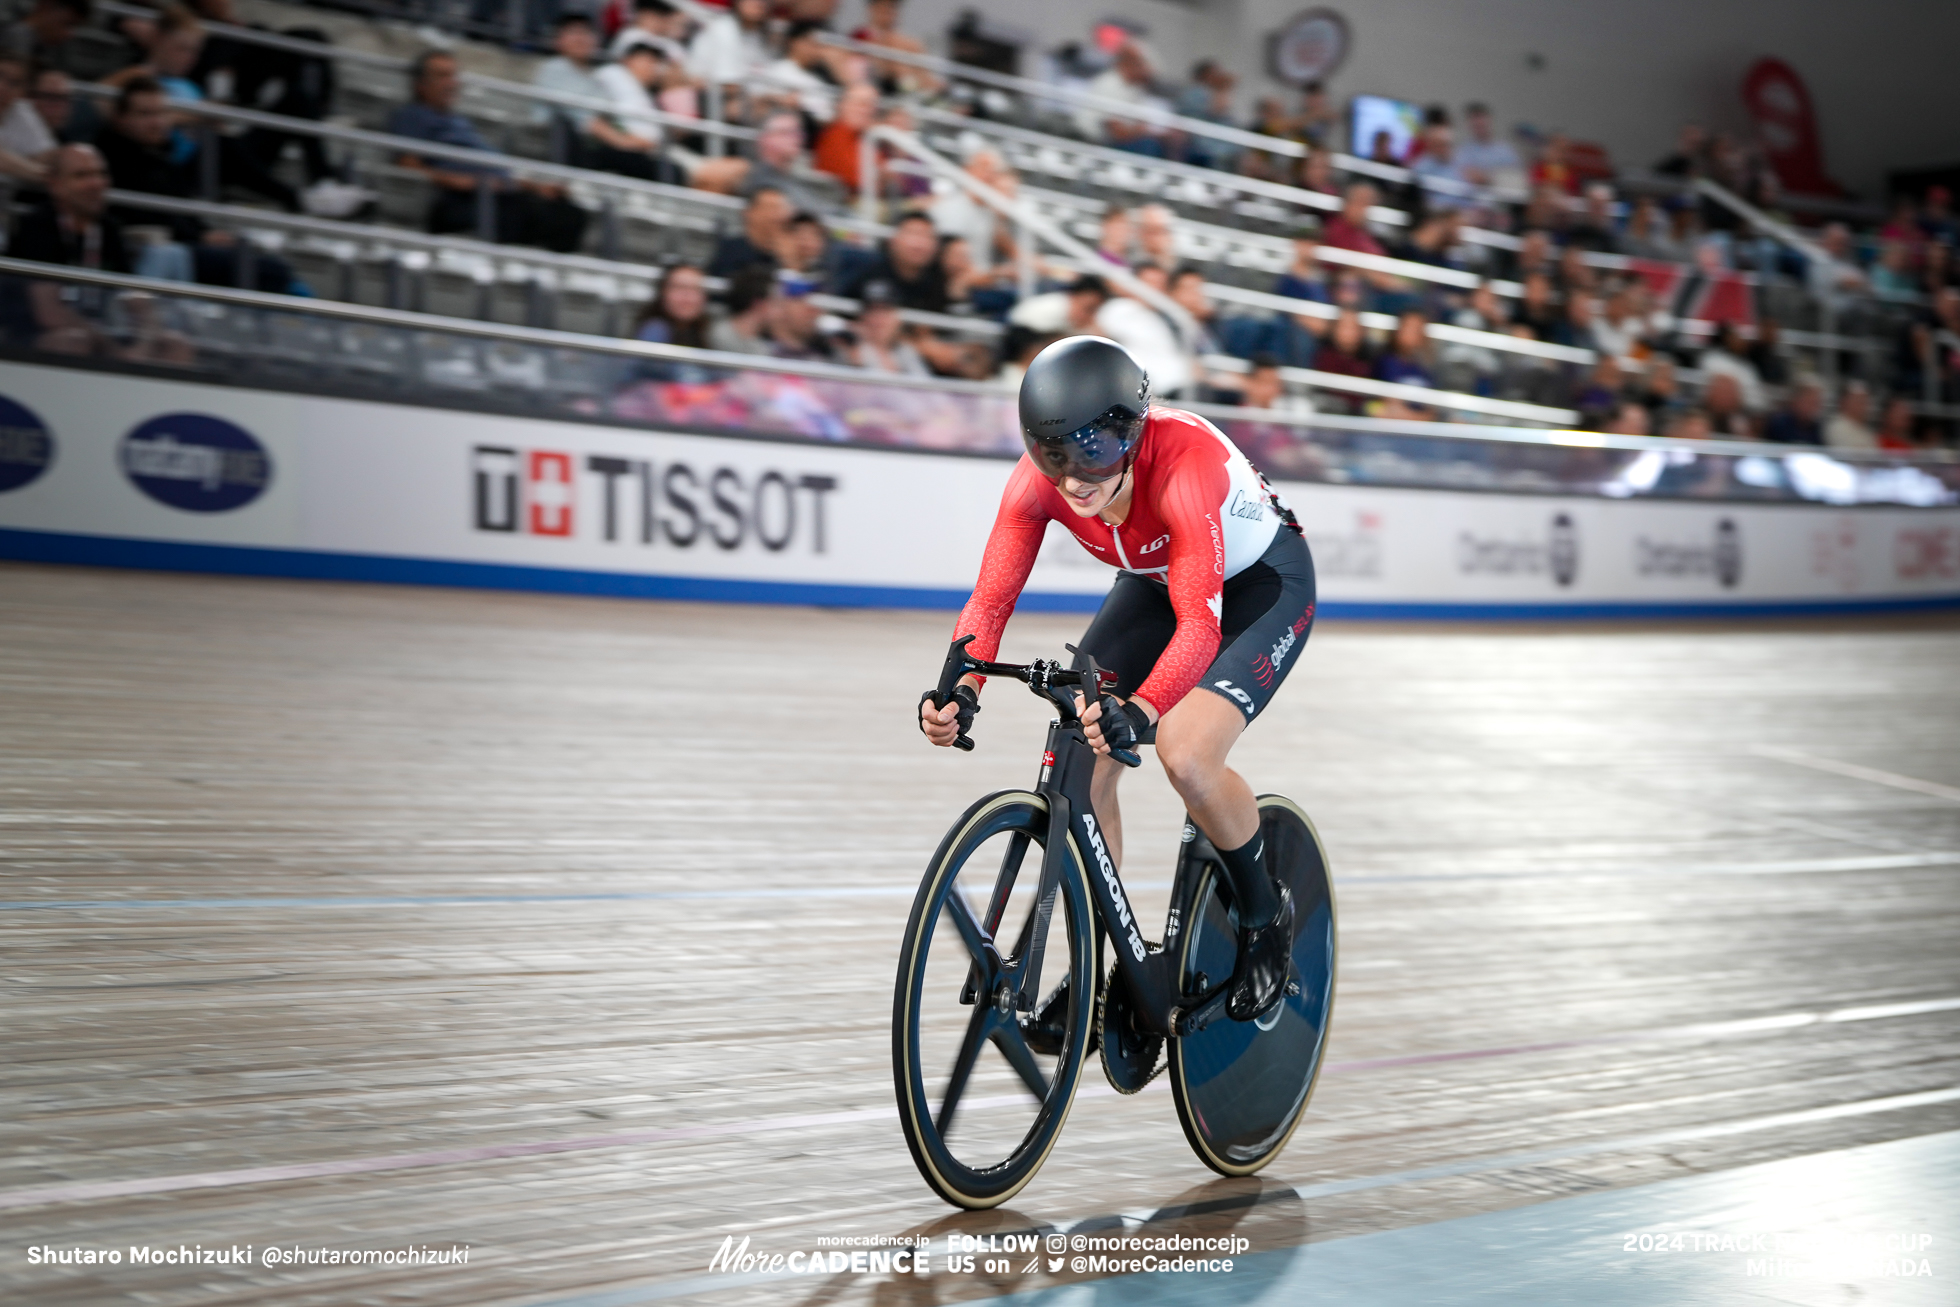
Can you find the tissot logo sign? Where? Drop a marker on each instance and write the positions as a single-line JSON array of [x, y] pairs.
[[1717, 556], [670, 504], [1555, 554], [196, 462], [26, 445]]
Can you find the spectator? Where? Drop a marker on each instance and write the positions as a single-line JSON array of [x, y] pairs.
[[1150, 335], [1936, 221], [804, 75], [41, 35], [1729, 356], [732, 48], [1647, 235], [1574, 273], [678, 314], [1801, 422], [908, 264], [1599, 398], [569, 72], [520, 212], [1317, 173], [1265, 389], [840, 148], [763, 226], [1114, 240], [135, 145], [655, 21], [1129, 79], [1936, 269], [794, 325], [1437, 168], [1187, 288], [779, 165], [881, 28], [1895, 428], [1630, 419], [74, 228], [1833, 275], [957, 213], [751, 302], [1619, 331], [1345, 351], [1690, 424], [880, 344], [1728, 415], [1086, 297], [1690, 156], [1303, 279], [1407, 361], [1485, 160], [1660, 391], [630, 144], [1850, 426], [1484, 312], [1894, 274], [804, 247], [174, 53], [1157, 235], [1348, 230], [53, 95], [1593, 229], [1552, 170], [1576, 331], [1538, 310], [1209, 99], [26, 144], [1318, 120], [1434, 239]]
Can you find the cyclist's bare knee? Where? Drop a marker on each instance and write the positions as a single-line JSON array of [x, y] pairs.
[[1193, 740]]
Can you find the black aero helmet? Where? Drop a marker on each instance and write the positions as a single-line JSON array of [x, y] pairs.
[[1083, 402]]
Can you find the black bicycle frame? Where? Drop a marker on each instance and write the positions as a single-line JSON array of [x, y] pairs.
[[1068, 764]]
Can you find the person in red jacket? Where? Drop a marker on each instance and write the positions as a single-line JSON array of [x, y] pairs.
[[1213, 597]]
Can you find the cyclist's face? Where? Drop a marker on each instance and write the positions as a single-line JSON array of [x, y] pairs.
[[1088, 498]]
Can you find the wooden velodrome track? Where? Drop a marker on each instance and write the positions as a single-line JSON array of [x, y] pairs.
[[370, 918]]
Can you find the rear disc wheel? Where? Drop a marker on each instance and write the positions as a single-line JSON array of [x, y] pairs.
[[1243, 1086]]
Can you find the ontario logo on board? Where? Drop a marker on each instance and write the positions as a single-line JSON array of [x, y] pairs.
[[1718, 557], [196, 462], [26, 445], [1556, 554]]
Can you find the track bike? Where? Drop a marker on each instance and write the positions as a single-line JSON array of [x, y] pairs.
[[979, 941]]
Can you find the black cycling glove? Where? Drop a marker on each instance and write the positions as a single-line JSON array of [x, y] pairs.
[[969, 703], [1123, 724]]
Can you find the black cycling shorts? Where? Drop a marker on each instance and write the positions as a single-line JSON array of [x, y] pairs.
[[1268, 614]]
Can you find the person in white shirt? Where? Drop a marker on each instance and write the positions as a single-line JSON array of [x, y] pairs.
[[957, 213], [26, 144], [733, 47], [656, 22], [1850, 426], [1149, 337], [1484, 159], [1619, 329], [1129, 80], [803, 74], [635, 148]]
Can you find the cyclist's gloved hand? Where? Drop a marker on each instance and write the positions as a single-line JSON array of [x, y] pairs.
[[1116, 728], [948, 723]]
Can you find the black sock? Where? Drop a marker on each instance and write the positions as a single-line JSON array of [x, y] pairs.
[[1252, 888]]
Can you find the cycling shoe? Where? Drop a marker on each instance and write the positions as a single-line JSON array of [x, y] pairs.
[[1264, 965]]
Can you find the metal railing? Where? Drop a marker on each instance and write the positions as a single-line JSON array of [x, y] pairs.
[[276, 342]]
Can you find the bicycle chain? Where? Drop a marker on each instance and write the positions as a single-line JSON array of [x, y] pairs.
[[1160, 1056]]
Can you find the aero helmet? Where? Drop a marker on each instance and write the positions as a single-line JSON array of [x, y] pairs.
[[1083, 403]]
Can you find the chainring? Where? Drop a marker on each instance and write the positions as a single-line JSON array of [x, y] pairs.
[[1131, 1056]]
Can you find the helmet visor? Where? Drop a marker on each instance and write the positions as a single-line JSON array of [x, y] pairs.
[[1095, 452]]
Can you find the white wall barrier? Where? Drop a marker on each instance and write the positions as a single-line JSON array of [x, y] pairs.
[[129, 471]]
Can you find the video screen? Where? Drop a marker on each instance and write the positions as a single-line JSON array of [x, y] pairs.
[[1371, 115]]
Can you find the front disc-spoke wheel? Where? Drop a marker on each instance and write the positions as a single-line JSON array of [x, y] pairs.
[[981, 1095]]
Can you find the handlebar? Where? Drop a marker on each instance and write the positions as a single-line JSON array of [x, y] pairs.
[[1046, 678]]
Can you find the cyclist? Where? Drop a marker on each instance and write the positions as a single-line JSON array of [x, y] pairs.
[[1214, 592]]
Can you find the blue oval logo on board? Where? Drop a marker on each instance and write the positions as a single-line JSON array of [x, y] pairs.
[[196, 462], [26, 445]]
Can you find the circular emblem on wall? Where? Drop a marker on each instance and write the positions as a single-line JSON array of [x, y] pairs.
[[1728, 553], [1309, 47], [1564, 549], [196, 462], [26, 445]]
